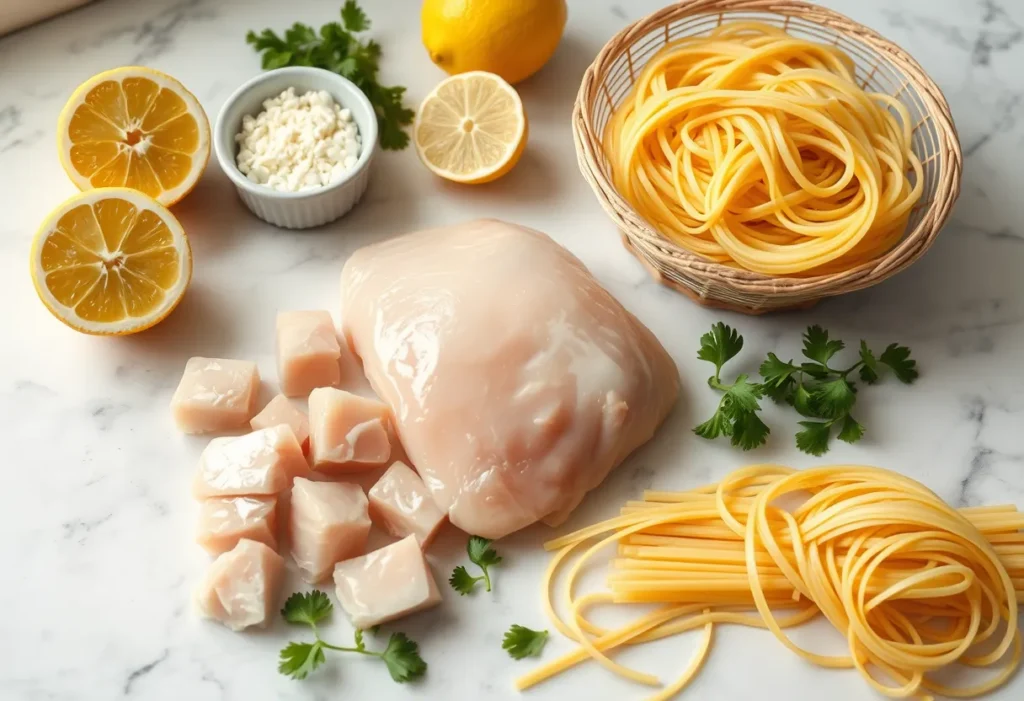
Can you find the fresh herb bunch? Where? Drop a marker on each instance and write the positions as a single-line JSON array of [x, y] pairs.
[[483, 556], [401, 656], [337, 48], [521, 642], [819, 392]]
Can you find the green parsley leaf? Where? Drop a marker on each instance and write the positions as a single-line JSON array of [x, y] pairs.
[[481, 553], [266, 40], [391, 117], [742, 397], [748, 431], [337, 48], [522, 642], [818, 347], [869, 366], [360, 645], [309, 608], [814, 438], [778, 377], [802, 401], [720, 345], [275, 59], [718, 425], [461, 581], [299, 659], [353, 16], [483, 556], [833, 398], [300, 35], [898, 359], [402, 657], [850, 431]]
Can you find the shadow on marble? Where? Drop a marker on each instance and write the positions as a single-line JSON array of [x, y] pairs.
[[199, 325], [552, 91]]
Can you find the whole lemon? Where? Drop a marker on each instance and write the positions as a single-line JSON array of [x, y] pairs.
[[513, 38]]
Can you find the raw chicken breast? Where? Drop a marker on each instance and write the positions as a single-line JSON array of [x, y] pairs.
[[215, 395], [515, 380], [259, 463], [307, 352], [402, 506], [280, 410], [225, 521], [242, 586], [347, 433], [329, 523], [386, 584]]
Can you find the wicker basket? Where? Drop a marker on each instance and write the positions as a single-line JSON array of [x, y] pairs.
[[881, 67]]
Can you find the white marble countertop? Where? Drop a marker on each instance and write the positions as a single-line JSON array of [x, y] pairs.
[[96, 534]]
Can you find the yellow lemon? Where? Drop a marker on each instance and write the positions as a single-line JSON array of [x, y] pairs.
[[471, 128], [513, 38], [134, 127], [111, 261]]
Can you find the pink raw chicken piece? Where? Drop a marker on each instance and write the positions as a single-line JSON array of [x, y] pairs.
[[516, 381], [348, 433], [215, 395], [386, 584], [280, 410], [402, 506], [223, 521], [307, 352], [329, 523], [242, 586], [259, 463]]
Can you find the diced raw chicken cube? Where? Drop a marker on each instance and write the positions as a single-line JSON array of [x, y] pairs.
[[307, 352], [386, 584], [347, 433], [223, 521], [281, 411], [402, 506], [215, 395], [329, 522], [242, 586], [259, 463]]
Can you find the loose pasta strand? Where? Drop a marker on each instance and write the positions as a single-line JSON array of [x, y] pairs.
[[912, 584]]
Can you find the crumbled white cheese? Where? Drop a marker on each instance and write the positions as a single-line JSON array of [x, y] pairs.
[[298, 142]]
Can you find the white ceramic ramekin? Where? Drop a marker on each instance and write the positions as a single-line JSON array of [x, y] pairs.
[[296, 210]]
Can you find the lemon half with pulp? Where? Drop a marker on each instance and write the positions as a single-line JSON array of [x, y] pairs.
[[134, 127], [471, 128], [111, 261]]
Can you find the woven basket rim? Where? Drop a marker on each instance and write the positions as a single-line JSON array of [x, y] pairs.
[[914, 242]]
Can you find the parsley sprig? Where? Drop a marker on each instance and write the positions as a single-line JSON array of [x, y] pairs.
[[299, 659], [736, 415], [824, 394], [337, 48], [521, 642], [483, 556]]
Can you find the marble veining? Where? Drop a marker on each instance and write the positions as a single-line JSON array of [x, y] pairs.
[[96, 536]]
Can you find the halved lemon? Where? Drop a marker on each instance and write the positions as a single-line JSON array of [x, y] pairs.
[[134, 127], [471, 129], [111, 261]]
